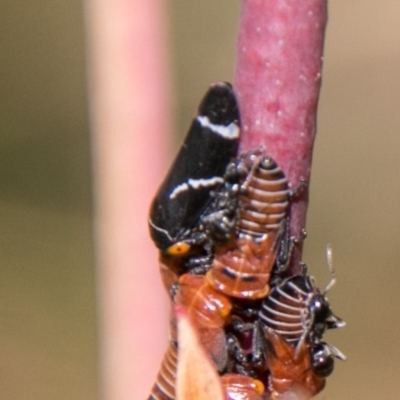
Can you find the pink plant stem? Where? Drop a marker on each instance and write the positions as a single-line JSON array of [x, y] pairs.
[[130, 126], [278, 79]]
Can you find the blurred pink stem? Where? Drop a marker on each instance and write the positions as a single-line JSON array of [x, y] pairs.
[[130, 126], [278, 79]]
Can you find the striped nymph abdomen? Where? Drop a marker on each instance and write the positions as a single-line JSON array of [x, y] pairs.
[[243, 268]]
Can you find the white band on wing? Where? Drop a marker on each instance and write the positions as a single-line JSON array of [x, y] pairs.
[[230, 131], [157, 228], [195, 184]]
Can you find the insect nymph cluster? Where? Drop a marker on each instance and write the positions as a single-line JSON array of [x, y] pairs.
[[221, 223]]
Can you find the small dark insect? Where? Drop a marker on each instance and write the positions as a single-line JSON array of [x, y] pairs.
[[300, 313], [181, 215]]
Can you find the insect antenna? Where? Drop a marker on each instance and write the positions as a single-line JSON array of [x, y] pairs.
[[329, 261], [333, 321]]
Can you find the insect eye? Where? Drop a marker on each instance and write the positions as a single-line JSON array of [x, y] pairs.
[[178, 249]]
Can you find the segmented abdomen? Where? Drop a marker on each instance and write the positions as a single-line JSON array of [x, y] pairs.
[[285, 309], [265, 201], [164, 386], [244, 270]]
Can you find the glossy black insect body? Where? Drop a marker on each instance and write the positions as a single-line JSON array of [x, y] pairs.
[[299, 312], [178, 214]]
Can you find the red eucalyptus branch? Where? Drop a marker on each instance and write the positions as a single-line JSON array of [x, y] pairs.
[[278, 79]]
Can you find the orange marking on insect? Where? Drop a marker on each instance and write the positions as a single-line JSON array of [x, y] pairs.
[[178, 249]]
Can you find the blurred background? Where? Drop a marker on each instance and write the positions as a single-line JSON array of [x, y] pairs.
[[48, 337], [47, 308]]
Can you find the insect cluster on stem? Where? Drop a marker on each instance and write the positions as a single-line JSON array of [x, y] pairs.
[[220, 221]]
